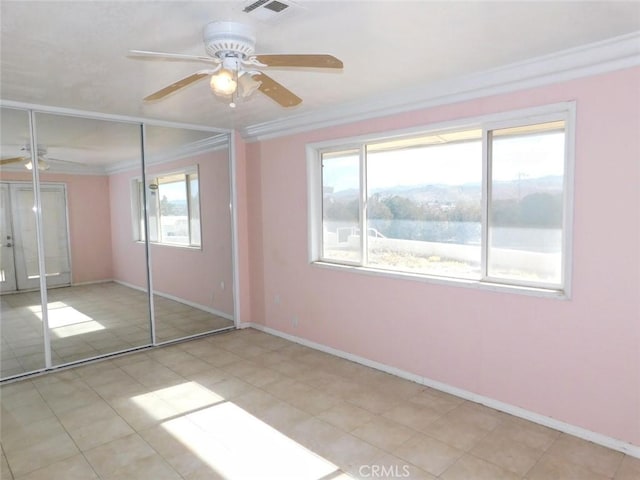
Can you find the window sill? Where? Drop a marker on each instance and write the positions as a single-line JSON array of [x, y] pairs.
[[448, 281], [172, 245]]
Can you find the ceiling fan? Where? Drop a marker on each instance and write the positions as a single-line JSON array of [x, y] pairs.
[[44, 162], [237, 73]]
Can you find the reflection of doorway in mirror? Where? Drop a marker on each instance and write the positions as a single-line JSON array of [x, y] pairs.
[[20, 267]]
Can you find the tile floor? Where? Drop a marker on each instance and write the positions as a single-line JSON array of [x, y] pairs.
[[247, 405], [88, 321]]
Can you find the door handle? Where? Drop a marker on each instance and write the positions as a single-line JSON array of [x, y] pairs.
[[9, 245]]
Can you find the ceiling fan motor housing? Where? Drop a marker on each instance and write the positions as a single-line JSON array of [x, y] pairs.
[[222, 39]]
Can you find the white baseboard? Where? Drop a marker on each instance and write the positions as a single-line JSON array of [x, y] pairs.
[[92, 282], [597, 438]]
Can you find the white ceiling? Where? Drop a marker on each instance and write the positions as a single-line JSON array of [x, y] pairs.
[[73, 54]]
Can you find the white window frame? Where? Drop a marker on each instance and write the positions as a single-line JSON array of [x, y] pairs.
[[139, 210], [565, 111]]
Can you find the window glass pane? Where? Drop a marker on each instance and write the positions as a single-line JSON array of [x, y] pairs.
[[424, 204], [174, 215], [341, 206], [526, 203], [194, 209]]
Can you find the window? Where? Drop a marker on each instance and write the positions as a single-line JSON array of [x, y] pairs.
[[173, 208], [487, 203]]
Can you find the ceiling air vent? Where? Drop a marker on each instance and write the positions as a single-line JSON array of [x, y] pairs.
[[270, 10]]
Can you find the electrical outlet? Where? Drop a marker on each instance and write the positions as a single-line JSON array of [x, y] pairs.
[[222, 285], [294, 322], [276, 299]]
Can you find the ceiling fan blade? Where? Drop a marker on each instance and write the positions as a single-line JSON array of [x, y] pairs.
[[6, 161], [172, 56], [194, 77], [276, 91], [311, 60]]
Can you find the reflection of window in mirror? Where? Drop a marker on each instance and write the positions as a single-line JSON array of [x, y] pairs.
[[173, 206]]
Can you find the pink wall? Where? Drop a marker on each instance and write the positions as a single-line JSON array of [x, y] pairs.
[[577, 361], [89, 224], [194, 275]]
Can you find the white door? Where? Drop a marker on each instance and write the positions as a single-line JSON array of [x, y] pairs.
[[25, 244], [7, 265]]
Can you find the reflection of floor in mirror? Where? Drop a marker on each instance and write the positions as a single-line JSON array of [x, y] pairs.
[[90, 320]]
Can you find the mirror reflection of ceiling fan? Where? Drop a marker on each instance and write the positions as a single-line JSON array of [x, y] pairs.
[[44, 161], [237, 73]]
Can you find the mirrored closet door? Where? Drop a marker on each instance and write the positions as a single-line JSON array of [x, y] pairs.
[[188, 200], [134, 255], [21, 329], [85, 170]]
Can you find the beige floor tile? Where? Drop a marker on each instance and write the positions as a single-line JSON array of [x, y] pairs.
[[188, 396], [73, 468], [314, 434], [151, 467], [346, 416], [428, 454], [283, 416], [372, 399], [142, 411], [594, 457], [178, 442], [507, 453], [396, 386], [20, 436], [557, 468], [255, 401], [41, 454], [30, 412], [105, 377], [118, 388], [412, 415], [348, 452], [302, 396], [100, 432], [531, 434], [629, 469], [389, 467], [470, 467], [384, 433], [205, 472], [476, 415], [115, 457], [87, 415], [260, 376], [5, 471], [229, 388], [193, 404], [456, 433]]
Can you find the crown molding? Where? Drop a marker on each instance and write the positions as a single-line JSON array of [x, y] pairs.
[[209, 144], [592, 59]]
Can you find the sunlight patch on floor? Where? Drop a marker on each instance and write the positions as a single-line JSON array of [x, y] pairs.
[[66, 321], [228, 439]]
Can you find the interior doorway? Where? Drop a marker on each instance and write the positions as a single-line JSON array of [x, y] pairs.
[[19, 268]]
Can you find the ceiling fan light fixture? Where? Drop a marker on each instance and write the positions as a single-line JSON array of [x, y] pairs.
[[224, 82]]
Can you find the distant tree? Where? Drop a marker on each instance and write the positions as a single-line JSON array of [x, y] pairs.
[[378, 209], [402, 208], [342, 210]]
